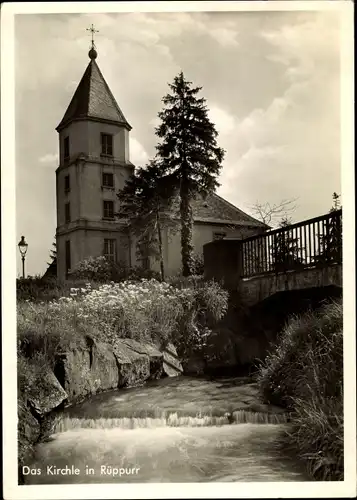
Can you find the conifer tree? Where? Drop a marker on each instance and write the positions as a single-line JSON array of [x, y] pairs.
[[286, 248], [330, 242], [189, 153], [53, 253], [145, 202]]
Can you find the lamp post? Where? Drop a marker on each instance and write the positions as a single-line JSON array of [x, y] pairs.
[[23, 249]]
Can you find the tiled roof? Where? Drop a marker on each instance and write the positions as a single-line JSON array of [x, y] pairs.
[[214, 209], [93, 99]]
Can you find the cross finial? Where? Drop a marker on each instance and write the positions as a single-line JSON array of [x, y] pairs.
[[92, 30]]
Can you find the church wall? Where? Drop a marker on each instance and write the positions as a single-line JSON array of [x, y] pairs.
[[202, 234], [120, 148], [78, 138], [89, 243], [93, 193], [72, 197], [95, 244]]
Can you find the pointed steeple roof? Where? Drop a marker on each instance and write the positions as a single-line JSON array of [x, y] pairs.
[[93, 99]]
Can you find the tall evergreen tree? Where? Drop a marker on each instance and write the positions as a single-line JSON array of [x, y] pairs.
[[189, 152], [145, 202]]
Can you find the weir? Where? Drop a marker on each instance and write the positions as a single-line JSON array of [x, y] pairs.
[[170, 420], [186, 430]]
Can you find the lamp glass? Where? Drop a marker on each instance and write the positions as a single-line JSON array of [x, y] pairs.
[[23, 246]]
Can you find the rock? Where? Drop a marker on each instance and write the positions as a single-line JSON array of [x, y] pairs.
[[45, 392], [134, 368], [72, 369], [155, 356], [88, 370], [172, 365], [28, 431], [104, 369]]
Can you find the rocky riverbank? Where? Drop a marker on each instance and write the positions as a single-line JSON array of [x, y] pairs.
[[81, 373]]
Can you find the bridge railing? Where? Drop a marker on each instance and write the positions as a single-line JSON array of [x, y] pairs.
[[310, 243]]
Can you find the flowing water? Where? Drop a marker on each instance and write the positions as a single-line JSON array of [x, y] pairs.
[[172, 430]]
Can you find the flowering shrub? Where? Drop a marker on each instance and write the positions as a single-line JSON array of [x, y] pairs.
[[146, 310], [103, 270], [93, 268]]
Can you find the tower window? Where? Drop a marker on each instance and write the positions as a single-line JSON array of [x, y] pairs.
[[67, 186], [66, 148], [67, 213], [110, 249], [108, 209], [68, 256], [107, 144], [108, 180]]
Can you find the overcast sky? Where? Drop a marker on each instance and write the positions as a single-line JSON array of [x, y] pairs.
[[271, 81]]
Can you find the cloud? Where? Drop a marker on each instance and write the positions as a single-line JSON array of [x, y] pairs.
[[224, 122], [306, 46], [49, 159], [138, 155], [225, 37]]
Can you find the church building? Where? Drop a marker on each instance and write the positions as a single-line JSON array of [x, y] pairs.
[[94, 164]]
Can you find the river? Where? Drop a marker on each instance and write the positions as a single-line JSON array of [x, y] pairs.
[[171, 430]]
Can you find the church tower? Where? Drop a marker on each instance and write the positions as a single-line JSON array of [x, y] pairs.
[[93, 166]]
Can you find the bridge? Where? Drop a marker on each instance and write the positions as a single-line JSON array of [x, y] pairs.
[[307, 254]]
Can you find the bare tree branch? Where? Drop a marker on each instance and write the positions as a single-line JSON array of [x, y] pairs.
[[272, 214]]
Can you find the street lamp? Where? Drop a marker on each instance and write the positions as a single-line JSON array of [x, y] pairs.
[[23, 249]]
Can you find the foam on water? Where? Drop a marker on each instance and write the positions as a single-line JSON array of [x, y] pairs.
[[245, 452], [170, 420]]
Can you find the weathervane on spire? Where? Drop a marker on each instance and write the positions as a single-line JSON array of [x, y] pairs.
[[92, 53]]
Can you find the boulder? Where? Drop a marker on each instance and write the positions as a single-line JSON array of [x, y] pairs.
[[172, 365], [28, 431], [45, 392], [134, 367], [88, 370], [104, 369], [72, 369], [155, 356]]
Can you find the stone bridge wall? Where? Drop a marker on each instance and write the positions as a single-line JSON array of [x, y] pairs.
[[258, 288], [222, 262]]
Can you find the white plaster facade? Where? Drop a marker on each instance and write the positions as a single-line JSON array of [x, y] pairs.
[[92, 112]]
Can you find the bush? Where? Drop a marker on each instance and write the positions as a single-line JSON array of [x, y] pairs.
[[305, 374], [37, 289], [139, 273], [41, 332], [94, 268], [102, 270], [198, 264], [208, 305], [147, 311]]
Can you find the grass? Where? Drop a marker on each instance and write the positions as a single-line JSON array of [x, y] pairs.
[[37, 289], [143, 310], [305, 374]]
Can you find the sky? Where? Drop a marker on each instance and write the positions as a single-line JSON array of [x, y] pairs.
[[271, 81]]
